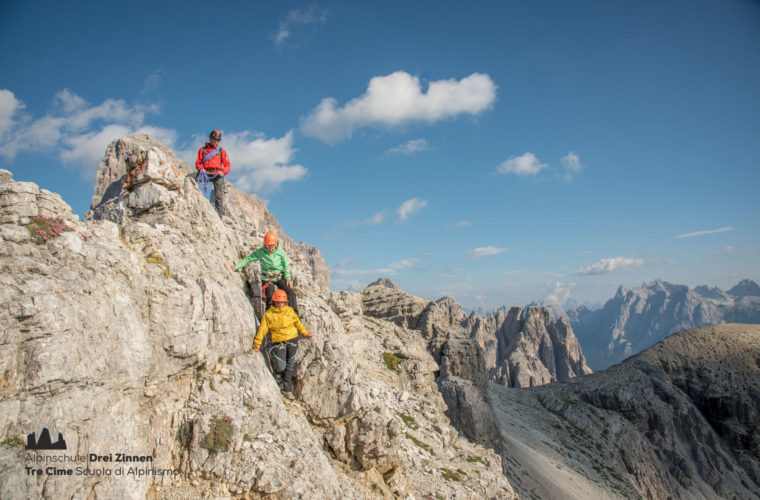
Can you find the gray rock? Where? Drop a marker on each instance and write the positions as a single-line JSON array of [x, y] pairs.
[[132, 335], [676, 421], [636, 319]]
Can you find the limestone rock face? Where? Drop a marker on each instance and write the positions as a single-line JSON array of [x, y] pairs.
[[133, 335], [113, 166], [513, 349], [677, 421], [530, 349], [116, 193], [470, 351], [388, 302]]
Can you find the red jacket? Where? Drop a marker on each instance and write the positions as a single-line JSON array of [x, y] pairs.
[[217, 164]]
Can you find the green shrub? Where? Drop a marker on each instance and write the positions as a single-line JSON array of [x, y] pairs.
[[219, 437], [392, 361]]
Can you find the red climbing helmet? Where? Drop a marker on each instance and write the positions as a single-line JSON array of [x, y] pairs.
[[280, 296]]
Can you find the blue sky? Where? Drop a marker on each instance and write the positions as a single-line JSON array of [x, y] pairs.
[[499, 152]]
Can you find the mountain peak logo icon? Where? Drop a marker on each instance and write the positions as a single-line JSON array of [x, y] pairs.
[[44, 442]]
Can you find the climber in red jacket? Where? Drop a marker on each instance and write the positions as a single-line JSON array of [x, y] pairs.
[[213, 160]]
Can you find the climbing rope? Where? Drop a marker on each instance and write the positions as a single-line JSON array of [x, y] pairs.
[[203, 182]]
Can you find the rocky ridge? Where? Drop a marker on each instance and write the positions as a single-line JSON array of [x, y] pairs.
[[122, 335], [638, 318], [679, 420]]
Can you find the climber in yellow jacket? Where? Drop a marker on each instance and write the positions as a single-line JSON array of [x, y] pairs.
[[285, 326]]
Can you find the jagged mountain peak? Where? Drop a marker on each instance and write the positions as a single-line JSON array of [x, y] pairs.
[[745, 288], [385, 282], [637, 318]]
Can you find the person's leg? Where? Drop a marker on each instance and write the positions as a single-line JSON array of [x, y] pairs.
[[280, 360], [292, 301], [292, 348], [220, 190], [269, 290]]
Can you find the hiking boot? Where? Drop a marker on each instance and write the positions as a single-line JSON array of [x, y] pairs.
[[288, 395]]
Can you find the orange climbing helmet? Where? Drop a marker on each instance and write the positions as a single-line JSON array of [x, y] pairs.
[[270, 239], [280, 296]]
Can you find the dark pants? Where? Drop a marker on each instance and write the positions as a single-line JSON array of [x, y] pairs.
[[220, 190], [282, 285], [284, 360]]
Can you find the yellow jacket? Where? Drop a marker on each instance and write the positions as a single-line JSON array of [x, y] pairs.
[[284, 324]]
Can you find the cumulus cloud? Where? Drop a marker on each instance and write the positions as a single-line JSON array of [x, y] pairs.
[[410, 147], [297, 27], [560, 294], [260, 164], [398, 99], [605, 266], [483, 252], [526, 164], [571, 164], [702, 233], [80, 133], [78, 130], [409, 207], [9, 106]]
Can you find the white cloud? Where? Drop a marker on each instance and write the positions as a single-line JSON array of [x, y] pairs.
[[605, 266], [86, 150], [259, 164], [297, 26], [346, 262], [79, 131], [702, 233], [560, 294], [483, 252], [729, 250], [376, 219], [9, 105], [410, 147], [461, 223], [572, 165], [398, 99], [409, 207], [526, 164], [392, 268]]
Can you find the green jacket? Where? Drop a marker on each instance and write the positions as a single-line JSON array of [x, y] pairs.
[[274, 265]]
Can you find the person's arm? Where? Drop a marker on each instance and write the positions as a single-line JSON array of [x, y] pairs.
[[225, 162], [263, 330], [247, 260], [299, 326], [286, 268], [198, 161]]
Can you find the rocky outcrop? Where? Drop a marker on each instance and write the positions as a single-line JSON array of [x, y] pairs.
[[677, 421], [509, 349], [124, 337], [116, 193], [636, 319], [530, 349]]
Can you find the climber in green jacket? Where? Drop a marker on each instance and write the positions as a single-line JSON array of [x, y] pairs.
[[275, 270]]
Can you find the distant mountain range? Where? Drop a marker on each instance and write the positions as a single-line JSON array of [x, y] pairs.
[[636, 319]]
